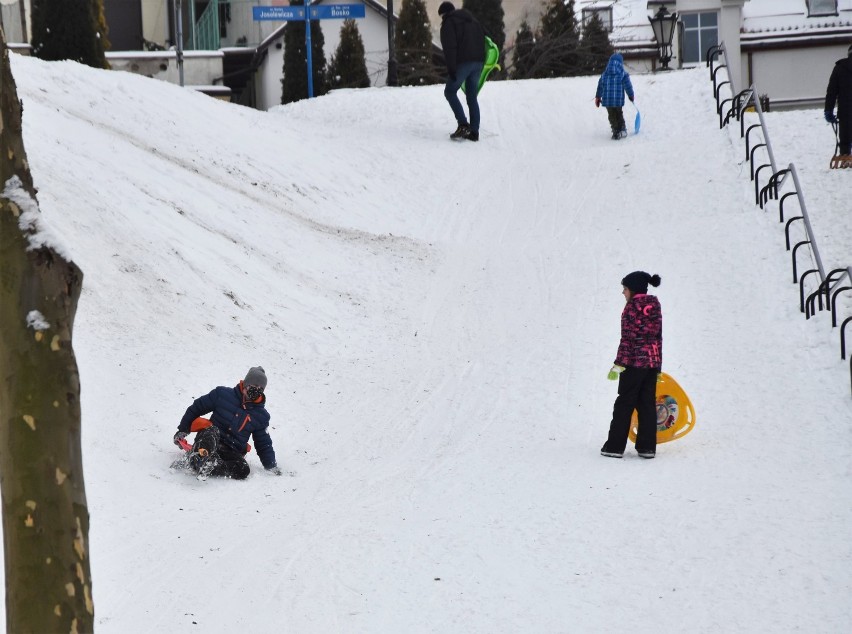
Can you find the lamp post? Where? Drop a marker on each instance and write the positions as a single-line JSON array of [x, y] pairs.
[[663, 24]]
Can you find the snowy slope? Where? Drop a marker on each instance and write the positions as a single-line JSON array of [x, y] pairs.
[[437, 320]]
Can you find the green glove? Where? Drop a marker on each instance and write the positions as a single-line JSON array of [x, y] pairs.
[[614, 372]]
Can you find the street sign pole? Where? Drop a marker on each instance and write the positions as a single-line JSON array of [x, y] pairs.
[[310, 52], [392, 76], [179, 39], [321, 12]]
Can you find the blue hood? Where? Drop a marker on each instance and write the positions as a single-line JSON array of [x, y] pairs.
[[615, 65]]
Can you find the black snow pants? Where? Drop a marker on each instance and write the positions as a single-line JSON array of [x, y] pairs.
[[637, 390], [616, 119], [229, 463]]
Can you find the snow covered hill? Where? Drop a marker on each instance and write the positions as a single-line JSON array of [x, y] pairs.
[[437, 320]]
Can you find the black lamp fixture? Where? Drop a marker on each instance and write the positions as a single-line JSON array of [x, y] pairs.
[[663, 24]]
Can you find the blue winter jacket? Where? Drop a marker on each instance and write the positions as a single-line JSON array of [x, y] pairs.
[[236, 420], [614, 82]]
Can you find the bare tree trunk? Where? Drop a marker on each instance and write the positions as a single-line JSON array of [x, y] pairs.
[[45, 516]]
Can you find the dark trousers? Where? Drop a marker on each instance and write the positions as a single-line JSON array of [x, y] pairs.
[[229, 463], [468, 74], [637, 390], [844, 131], [616, 119]]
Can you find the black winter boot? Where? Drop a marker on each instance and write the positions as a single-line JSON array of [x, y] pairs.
[[462, 132]]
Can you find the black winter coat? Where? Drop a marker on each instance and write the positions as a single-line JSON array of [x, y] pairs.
[[236, 420], [462, 39], [840, 89]]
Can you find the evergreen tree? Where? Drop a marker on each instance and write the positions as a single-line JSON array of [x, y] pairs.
[[523, 55], [490, 15], [69, 29], [348, 67], [595, 47], [413, 40], [558, 42], [295, 83]]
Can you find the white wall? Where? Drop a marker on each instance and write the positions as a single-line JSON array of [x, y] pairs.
[[155, 21], [729, 33], [799, 78], [10, 15], [200, 68], [269, 77], [243, 25]]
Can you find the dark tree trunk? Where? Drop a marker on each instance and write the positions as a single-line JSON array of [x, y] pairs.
[[45, 516]]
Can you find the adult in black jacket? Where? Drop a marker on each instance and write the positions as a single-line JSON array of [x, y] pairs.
[[238, 413], [840, 90], [463, 41]]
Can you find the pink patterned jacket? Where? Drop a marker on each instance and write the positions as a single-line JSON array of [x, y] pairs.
[[641, 343]]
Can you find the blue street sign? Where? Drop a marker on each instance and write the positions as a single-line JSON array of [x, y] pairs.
[[338, 11], [319, 12], [282, 14]]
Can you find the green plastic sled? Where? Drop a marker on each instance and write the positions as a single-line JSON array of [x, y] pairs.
[[492, 56]]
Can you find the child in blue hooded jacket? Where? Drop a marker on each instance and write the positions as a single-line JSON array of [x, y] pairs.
[[612, 85]]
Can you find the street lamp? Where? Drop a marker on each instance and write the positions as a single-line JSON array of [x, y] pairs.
[[663, 23]]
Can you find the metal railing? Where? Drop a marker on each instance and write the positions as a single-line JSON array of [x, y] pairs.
[[829, 287], [206, 28]]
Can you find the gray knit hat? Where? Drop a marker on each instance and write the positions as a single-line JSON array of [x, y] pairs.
[[256, 376]]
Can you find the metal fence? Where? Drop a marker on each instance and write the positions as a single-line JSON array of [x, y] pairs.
[[781, 185]]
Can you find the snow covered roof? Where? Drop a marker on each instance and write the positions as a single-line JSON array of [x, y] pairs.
[[787, 21], [764, 21]]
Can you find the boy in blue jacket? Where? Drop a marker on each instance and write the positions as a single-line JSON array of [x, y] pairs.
[[237, 413], [612, 85]]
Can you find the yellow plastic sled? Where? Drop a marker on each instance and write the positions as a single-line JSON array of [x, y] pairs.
[[675, 414]]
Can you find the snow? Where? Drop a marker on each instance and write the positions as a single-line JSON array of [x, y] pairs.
[[793, 11], [36, 321], [29, 219], [437, 320]]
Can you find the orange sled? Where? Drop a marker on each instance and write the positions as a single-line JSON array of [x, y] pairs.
[[197, 425]]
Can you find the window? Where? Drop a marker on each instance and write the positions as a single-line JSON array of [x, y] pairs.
[[700, 32], [818, 8], [605, 16]]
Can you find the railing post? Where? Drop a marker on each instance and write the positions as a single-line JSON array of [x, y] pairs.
[[739, 104], [843, 347], [781, 209], [747, 133], [787, 229], [843, 337], [823, 289], [810, 231], [795, 265], [757, 181], [802, 290], [834, 304]]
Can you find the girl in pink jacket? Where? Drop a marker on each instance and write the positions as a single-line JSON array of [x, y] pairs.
[[637, 365]]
